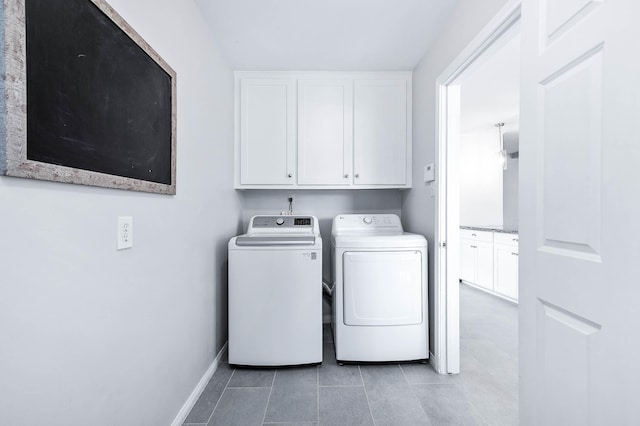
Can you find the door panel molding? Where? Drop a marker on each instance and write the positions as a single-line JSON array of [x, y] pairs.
[[561, 16]]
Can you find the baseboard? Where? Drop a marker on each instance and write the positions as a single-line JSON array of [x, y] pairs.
[[193, 398], [491, 292]]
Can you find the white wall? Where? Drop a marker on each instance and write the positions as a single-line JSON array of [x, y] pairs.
[[92, 336], [418, 206], [325, 205], [480, 177]]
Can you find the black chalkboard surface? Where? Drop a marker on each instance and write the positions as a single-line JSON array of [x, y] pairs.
[[95, 100]]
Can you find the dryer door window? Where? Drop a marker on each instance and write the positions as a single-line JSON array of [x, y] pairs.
[[382, 288]]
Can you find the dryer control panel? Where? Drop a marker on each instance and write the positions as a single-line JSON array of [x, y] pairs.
[[367, 222]]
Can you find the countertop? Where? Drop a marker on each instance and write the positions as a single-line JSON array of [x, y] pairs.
[[490, 228]]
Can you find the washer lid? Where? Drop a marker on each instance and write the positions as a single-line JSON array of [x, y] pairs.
[[395, 240], [274, 240]]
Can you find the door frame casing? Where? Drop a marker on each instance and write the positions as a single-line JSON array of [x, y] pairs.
[[446, 355]]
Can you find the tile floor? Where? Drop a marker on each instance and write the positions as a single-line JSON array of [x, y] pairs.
[[485, 393]]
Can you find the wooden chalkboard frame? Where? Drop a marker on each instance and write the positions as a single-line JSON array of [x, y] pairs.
[[13, 109]]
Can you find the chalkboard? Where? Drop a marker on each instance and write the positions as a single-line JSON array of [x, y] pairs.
[[98, 99]]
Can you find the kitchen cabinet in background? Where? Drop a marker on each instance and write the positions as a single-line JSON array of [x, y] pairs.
[[505, 258], [476, 258], [489, 260]]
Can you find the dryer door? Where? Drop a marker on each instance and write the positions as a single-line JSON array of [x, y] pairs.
[[382, 287]]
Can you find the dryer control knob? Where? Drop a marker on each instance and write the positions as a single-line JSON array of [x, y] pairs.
[[367, 220], [279, 221]]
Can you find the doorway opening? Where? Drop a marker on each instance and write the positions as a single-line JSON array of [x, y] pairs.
[[471, 112]]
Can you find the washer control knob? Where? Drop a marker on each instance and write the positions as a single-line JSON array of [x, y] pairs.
[[279, 221], [367, 220]]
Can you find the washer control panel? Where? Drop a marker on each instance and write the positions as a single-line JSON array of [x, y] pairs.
[[281, 221], [298, 225]]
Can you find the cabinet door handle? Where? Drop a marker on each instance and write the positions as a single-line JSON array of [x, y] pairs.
[[357, 175], [473, 235], [474, 246], [515, 254], [289, 175], [346, 176], [515, 239]]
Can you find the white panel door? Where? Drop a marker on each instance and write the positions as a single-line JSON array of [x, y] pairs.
[[267, 131], [380, 132], [382, 288], [325, 132], [579, 213]]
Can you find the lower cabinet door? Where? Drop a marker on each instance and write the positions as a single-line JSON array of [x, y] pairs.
[[484, 258], [506, 270]]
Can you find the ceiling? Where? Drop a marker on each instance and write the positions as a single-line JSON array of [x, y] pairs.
[[490, 89], [341, 35]]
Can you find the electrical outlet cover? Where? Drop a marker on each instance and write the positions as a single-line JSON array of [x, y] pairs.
[[125, 232]]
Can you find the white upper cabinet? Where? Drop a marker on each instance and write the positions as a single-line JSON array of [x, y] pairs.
[[325, 117], [323, 130], [267, 131], [380, 132]]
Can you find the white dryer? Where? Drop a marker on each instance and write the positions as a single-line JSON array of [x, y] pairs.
[[379, 310], [275, 292]]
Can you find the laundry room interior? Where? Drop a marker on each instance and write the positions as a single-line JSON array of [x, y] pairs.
[[311, 213]]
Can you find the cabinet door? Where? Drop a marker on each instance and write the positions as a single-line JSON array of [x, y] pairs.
[[325, 132], [467, 261], [506, 270], [484, 264], [380, 132], [267, 131]]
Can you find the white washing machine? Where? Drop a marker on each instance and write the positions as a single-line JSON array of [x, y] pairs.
[[275, 292], [379, 310]]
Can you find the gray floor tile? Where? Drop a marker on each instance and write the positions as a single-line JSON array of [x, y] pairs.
[[344, 406], [201, 411], [291, 424], [384, 374], [395, 404], [491, 398], [499, 421], [332, 374], [296, 376], [445, 405], [401, 422], [336, 375], [252, 378], [242, 407], [294, 397], [424, 373]]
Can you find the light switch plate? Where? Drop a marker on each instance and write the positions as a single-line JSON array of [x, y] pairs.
[[429, 172], [125, 232]]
